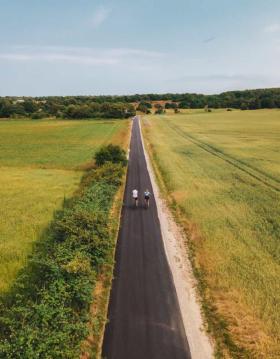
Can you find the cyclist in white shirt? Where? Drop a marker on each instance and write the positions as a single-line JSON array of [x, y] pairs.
[[135, 196]]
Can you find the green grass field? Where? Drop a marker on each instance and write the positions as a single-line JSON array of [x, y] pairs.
[[222, 169], [41, 163], [53, 144]]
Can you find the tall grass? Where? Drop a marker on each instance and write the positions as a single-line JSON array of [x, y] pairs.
[[41, 165], [221, 170]]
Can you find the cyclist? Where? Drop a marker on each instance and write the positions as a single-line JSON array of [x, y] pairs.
[[147, 195], [135, 197]]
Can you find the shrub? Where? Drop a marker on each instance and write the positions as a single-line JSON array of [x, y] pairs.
[[159, 111], [171, 105], [110, 153], [39, 115], [46, 314], [144, 107]]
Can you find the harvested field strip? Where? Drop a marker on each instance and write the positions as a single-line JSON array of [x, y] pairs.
[[262, 177]]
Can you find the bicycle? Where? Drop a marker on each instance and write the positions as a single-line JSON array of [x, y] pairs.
[[147, 195], [135, 197]]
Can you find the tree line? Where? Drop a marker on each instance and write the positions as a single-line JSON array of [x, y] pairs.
[[75, 107], [60, 107]]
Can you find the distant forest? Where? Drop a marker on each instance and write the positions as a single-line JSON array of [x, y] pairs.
[[75, 107]]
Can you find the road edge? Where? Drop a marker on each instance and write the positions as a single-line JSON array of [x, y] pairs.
[[181, 269], [117, 208], [93, 350]]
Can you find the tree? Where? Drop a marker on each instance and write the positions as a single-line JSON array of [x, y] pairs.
[[184, 104], [244, 106], [110, 153], [146, 104], [29, 106], [143, 108], [6, 108], [267, 102], [172, 105], [159, 109], [158, 106]]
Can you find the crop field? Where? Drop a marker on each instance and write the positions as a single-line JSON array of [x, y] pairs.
[[54, 144], [41, 163], [221, 171]]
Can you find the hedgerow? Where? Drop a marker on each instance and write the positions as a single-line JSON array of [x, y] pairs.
[[45, 315]]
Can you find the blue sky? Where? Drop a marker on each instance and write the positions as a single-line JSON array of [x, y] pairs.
[[70, 47]]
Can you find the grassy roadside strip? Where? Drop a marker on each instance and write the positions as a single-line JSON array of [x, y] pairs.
[[91, 348], [47, 311], [216, 325]]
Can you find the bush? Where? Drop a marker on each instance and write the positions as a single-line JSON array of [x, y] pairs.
[[171, 105], [46, 314], [144, 107], [110, 153], [159, 111], [39, 115]]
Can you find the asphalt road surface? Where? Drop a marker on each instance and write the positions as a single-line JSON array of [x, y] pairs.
[[144, 315]]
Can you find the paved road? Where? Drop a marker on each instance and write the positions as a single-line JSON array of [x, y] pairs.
[[144, 316]]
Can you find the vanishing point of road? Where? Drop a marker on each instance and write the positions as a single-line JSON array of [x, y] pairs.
[[144, 316]]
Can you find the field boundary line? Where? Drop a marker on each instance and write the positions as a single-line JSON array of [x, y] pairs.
[[232, 161]]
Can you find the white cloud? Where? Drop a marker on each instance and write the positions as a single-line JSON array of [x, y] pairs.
[[14, 57], [100, 15], [272, 28], [59, 57], [80, 55]]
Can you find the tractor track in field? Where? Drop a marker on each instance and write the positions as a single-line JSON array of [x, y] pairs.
[[253, 172]]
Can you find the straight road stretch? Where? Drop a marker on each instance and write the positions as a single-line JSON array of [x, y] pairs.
[[144, 319]]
